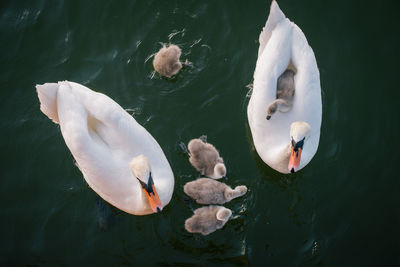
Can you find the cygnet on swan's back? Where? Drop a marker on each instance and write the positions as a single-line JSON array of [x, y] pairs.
[[205, 158], [284, 94], [166, 61], [209, 191], [208, 219]]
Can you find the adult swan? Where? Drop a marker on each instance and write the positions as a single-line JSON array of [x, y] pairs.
[[288, 140], [119, 159]]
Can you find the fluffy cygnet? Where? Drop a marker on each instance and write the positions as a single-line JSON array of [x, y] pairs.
[[284, 94], [209, 191], [208, 219], [166, 61], [205, 158]]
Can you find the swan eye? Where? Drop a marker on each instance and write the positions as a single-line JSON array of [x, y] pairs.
[[293, 142]]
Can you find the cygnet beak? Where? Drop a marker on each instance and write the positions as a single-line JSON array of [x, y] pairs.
[[268, 117]]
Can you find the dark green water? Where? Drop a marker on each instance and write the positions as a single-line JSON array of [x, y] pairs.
[[341, 210]]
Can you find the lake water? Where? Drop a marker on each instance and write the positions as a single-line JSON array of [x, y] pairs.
[[342, 209]]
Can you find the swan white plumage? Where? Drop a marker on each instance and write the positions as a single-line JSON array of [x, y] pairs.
[[111, 149], [283, 45]]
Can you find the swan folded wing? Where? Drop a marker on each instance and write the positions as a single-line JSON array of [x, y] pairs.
[[47, 94], [104, 172], [272, 63], [275, 16], [307, 83], [275, 58], [307, 102], [304, 59], [106, 111]]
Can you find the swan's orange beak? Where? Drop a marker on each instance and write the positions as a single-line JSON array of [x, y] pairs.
[[151, 193], [154, 200], [294, 160]]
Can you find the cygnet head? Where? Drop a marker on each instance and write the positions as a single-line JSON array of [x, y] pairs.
[[166, 61], [237, 192], [279, 104], [241, 189], [141, 171], [299, 134], [271, 110], [219, 170], [224, 214]]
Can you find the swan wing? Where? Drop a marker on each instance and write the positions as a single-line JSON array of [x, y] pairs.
[[307, 104], [275, 16]]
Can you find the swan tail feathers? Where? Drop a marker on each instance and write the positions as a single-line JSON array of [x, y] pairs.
[[47, 94], [275, 16]]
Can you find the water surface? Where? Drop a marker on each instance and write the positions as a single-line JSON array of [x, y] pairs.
[[341, 210]]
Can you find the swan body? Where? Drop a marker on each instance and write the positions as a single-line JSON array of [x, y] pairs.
[[208, 219], [205, 158], [283, 46], [209, 191], [166, 61], [111, 149]]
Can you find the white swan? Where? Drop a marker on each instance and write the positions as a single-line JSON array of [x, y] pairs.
[[111, 149], [283, 45]]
